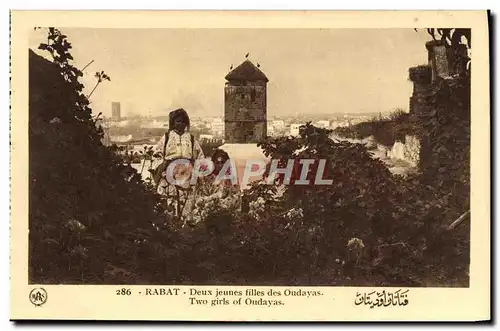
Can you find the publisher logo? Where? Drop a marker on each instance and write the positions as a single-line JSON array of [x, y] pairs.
[[38, 296]]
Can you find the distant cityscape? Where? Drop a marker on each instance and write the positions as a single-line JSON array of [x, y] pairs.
[[246, 118], [149, 129]]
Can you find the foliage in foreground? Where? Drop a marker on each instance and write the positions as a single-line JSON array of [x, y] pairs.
[[91, 216]]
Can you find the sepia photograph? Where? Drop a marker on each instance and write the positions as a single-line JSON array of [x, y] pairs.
[[382, 114], [229, 157]]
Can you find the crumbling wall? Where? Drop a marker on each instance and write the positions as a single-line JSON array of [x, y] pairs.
[[408, 151], [440, 62], [421, 76], [412, 149], [397, 151]]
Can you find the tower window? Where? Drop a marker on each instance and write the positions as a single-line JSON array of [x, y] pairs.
[[252, 95], [242, 96]]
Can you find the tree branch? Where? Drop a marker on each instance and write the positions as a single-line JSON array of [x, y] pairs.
[[458, 221], [87, 65], [88, 96]]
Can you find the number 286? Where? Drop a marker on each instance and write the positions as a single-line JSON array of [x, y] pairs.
[[123, 291]]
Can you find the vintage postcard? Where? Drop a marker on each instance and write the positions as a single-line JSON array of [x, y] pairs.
[[250, 166]]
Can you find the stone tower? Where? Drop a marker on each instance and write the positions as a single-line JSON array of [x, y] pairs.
[[442, 62], [115, 111], [245, 102]]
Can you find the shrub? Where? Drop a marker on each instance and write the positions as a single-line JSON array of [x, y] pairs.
[[385, 131], [74, 179]]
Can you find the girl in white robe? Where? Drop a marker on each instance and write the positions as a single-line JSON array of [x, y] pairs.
[[183, 148]]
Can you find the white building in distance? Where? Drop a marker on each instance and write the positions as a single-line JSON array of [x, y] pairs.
[[120, 124], [120, 139], [271, 131], [154, 124], [278, 125], [323, 124], [336, 124], [294, 129]]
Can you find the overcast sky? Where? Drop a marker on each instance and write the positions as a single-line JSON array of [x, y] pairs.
[[309, 70]]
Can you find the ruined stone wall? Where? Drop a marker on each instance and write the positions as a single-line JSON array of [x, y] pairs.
[[417, 98], [440, 62], [408, 151], [412, 149], [446, 61], [443, 76]]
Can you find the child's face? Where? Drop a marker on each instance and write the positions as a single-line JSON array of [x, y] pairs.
[[180, 124], [218, 164]]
